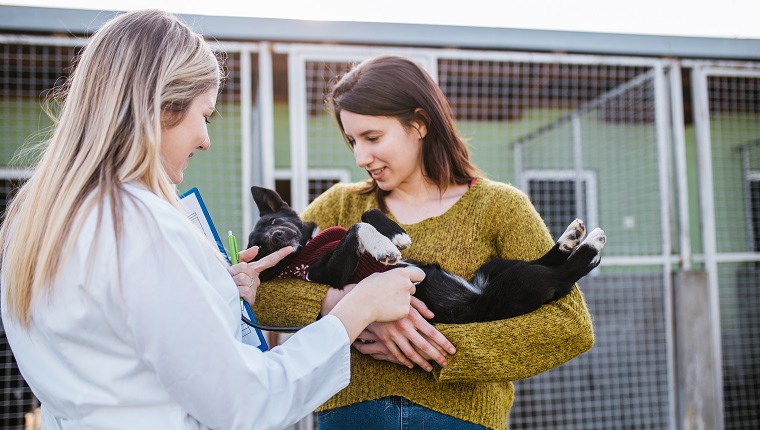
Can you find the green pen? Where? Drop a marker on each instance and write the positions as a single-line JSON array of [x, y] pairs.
[[233, 247], [234, 256]]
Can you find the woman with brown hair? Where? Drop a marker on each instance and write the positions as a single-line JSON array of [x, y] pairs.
[[400, 128]]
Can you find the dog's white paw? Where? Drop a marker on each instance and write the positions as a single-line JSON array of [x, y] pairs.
[[402, 240], [379, 246], [572, 236], [596, 238]]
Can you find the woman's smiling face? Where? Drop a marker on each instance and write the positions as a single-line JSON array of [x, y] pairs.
[[388, 151], [180, 142]]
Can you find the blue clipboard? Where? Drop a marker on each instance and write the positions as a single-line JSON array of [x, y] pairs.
[[198, 214]]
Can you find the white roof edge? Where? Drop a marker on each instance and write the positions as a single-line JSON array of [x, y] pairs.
[[80, 21]]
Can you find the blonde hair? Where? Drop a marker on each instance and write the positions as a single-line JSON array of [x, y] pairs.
[[137, 74]]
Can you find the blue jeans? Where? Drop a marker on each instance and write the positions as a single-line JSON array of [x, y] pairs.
[[389, 413]]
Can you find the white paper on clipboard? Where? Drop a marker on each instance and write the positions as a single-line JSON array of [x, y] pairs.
[[197, 213]]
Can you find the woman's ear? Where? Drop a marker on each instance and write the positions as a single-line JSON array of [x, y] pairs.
[[419, 124], [166, 119]]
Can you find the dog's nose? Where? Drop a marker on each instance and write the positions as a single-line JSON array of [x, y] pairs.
[[278, 237]]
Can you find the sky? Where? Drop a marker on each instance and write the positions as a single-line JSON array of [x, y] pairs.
[[701, 18]]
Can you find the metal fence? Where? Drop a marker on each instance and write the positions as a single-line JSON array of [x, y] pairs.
[[26, 72], [726, 102], [613, 140], [583, 136], [31, 66]]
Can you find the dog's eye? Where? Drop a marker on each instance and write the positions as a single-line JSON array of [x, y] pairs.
[[274, 221]]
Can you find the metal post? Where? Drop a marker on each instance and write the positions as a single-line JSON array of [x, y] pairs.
[[580, 197], [246, 142], [299, 185], [679, 148], [707, 209], [663, 150], [266, 111]]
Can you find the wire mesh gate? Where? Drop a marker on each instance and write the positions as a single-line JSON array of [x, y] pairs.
[[726, 99], [26, 71], [586, 136], [30, 66]]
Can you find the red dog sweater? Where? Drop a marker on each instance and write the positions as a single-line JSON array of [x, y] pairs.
[[323, 243]]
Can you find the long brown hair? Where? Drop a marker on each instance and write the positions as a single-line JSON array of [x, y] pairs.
[[395, 86]]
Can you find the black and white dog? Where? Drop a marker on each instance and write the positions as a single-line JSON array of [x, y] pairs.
[[500, 289]]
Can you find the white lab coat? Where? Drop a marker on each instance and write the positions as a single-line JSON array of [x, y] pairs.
[[161, 349]]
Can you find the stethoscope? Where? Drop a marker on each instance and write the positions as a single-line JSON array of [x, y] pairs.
[[278, 329]]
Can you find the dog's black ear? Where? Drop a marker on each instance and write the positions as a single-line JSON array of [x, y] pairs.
[[268, 200]]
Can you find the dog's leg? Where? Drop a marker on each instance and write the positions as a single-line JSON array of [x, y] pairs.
[[582, 260], [572, 236], [587, 255], [564, 246], [379, 246], [387, 227], [337, 267], [514, 288]]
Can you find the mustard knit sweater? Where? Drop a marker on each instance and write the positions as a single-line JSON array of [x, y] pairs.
[[491, 219]]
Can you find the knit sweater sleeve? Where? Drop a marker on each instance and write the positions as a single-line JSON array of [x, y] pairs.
[[527, 345], [295, 302]]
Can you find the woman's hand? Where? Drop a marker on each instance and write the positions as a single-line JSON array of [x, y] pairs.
[[408, 341], [332, 298], [379, 297], [246, 275]]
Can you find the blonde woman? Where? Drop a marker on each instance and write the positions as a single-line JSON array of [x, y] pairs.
[[119, 313]]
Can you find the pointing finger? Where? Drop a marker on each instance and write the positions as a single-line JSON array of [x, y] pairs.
[[272, 259], [248, 254]]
